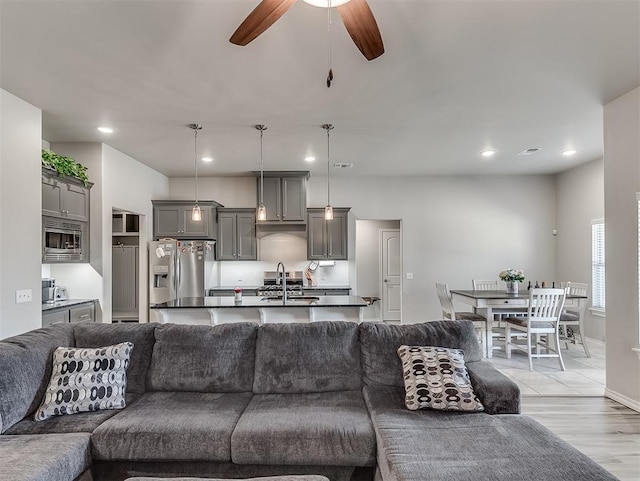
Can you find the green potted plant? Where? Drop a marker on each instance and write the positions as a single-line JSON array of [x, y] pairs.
[[64, 166]]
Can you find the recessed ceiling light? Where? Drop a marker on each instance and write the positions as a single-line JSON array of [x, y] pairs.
[[568, 152], [309, 158], [207, 159], [105, 130], [487, 153]]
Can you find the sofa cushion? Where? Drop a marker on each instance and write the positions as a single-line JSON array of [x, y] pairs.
[[468, 447], [267, 478], [165, 426], [331, 428], [86, 380], [44, 457], [307, 357], [379, 344], [436, 378], [91, 334], [78, 423], [203, 358], [30, 357]]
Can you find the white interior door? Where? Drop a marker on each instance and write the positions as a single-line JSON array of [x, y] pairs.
[[391, 275]]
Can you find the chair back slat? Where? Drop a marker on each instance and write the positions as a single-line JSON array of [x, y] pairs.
[[445, 301], [484, 285], [546, 304]]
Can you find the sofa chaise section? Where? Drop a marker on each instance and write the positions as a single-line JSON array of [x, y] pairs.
[[44, 457]]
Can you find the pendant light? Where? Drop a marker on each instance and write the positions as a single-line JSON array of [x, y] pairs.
[[328, 210], [261, 214], [196, 213]]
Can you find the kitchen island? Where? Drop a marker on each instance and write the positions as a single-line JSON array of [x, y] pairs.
[[220, 310]]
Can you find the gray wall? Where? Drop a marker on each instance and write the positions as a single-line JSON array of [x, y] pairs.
[[621, 183], [580, 199], [20, 211], [454, 228]]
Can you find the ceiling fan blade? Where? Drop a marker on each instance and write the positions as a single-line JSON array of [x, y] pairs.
[[361, 25], [260, 19]]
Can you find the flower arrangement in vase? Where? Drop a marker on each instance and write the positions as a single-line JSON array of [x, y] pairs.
[[512, 277]]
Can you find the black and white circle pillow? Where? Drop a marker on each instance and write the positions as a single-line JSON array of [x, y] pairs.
[[86, 379], [437, 378]]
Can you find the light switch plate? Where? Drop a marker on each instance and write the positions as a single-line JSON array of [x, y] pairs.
[[24, 296], [409, 275]]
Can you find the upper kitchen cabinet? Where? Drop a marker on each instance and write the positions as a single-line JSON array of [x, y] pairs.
[[172, 218], [285, 196], [236, 235], [327, 239], [64, 197]]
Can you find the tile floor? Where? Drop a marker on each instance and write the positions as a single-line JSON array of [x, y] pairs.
[[584, 376]]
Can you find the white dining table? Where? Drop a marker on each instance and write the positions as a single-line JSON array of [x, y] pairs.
[[491, 303]]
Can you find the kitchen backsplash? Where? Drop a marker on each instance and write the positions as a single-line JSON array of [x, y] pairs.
[[289, 248]]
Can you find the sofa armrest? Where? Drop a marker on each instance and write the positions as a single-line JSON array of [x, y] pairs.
[[498, 393]]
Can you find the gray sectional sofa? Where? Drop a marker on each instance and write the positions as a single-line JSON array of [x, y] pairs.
[[242, 400]]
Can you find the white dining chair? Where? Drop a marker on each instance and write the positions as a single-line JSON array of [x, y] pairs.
[[575, 317], [484, 285], [449, 312], [543, 318], [498, 330]]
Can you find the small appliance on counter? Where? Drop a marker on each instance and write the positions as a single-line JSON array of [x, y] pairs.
[[48, 290], [60, 293]]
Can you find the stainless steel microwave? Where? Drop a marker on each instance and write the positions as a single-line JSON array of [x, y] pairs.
[[64, 241]]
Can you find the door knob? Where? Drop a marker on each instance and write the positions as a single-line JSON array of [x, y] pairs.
[[386, 280]]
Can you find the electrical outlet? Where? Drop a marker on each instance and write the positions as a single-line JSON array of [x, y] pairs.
[[24, 296], [409, 275]]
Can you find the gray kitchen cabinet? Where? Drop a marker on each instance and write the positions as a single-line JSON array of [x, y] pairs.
[[237, 235], [330, 291], [327, 239], [55, 317], [285, 196], [173, 219], [64, 197], [81, 312]]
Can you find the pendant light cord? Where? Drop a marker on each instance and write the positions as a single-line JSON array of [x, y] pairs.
[[195, 159], [261, 169], [328, 162]]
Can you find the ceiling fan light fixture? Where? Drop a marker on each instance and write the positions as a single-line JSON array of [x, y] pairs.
[[326, 3]]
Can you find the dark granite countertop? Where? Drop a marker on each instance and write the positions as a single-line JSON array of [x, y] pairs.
[[49, 306], [260, 302]]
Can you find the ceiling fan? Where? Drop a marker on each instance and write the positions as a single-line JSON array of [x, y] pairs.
[[356, 15]]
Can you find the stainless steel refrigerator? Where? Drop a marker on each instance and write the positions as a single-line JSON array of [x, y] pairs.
[[177, 268]]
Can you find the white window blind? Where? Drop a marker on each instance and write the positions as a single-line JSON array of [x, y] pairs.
[[597, 264]]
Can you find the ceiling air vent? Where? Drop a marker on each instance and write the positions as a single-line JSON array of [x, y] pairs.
[[343, 165], [530, 151]]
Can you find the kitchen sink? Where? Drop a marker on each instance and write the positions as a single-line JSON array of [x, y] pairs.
[[291, 298]]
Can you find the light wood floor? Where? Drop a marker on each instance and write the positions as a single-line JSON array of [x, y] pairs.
[[604, 430], [573, 406]]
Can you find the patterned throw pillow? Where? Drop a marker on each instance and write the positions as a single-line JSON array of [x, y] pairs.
[[436, 378], [86, 379]]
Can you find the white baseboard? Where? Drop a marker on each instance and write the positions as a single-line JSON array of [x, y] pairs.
[[622, 399], [595, 341]]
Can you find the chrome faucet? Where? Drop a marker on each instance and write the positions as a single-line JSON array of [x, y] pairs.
[[284, 281]]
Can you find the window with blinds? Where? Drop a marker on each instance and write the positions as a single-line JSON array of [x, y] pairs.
[[597, 264]]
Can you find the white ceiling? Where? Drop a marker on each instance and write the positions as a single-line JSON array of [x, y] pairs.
[[457, 77]]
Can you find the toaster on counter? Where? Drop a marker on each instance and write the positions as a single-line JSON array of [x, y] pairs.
[[60, 293]]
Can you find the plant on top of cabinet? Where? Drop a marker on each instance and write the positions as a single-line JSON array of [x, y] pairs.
[[65, 166], [327, 239], [285, 196]]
